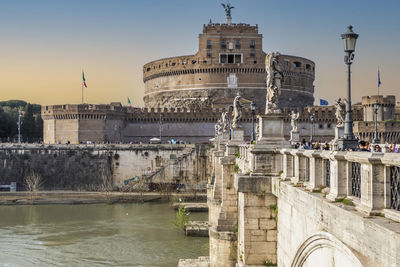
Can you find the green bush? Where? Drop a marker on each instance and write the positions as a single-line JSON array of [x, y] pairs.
[[182, 217], [236, 168]]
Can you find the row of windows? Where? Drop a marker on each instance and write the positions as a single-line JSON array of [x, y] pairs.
[[209, 53], [230, 58], [297, 64], [237, 44]]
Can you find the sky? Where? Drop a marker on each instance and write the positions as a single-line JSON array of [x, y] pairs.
[[45, 44]]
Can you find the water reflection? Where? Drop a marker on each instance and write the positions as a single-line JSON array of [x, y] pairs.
[[94, 235]]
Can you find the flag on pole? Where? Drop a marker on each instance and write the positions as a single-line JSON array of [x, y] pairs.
[[323, 102], [129, 101], [83, 80], [379, 79]]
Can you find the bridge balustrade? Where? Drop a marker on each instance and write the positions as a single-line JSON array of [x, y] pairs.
[[370, 180]]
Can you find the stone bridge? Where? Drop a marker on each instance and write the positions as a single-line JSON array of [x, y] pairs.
[[285, 207]]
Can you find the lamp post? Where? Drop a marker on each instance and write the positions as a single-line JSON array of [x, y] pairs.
[[253, 113], [19, 126], [376, 107], [312, 129], [160, 127], [348, 141]]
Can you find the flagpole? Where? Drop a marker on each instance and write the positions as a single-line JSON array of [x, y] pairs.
[[82, 86], [82, 92], [379, 81]]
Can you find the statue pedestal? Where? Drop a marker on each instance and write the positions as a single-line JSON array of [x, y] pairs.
[[271, 131], [339, 132], [237, 135], [222, 139], [294, 137]]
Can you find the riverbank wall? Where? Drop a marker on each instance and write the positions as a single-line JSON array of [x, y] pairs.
[[89, 167], [73, 197]]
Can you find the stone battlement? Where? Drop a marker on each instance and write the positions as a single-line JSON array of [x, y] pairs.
[[386, 101], [116, 110], [230, 28]]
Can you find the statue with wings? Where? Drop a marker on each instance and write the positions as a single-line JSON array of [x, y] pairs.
[[228, 8]]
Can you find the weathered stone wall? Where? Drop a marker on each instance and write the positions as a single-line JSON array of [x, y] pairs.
[[314, 232], [87, 167], [67, 130], [59, 168]]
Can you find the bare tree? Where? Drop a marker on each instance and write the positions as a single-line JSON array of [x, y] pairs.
[[106, 185], [33, 181]]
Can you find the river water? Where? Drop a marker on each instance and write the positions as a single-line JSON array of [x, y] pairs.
[[95, 235]]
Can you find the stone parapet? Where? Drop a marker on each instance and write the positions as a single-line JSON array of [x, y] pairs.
[[293, 207]]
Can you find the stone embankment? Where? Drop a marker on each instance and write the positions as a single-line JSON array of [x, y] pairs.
[[73, 197], [199, 262], [192, 207], [197, 228]]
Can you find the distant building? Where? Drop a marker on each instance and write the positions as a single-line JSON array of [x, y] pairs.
[[388, 126]]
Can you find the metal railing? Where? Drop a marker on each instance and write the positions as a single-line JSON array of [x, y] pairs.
[[395, 187], [356, 179], [327, 172]]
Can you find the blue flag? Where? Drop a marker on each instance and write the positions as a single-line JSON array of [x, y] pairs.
[[323, 102], [379, 79]]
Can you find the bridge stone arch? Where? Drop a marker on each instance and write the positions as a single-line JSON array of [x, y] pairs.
[[323, 249]]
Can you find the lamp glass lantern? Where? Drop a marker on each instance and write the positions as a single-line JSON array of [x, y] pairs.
[[252, 106], [253, 112], [349, 39]]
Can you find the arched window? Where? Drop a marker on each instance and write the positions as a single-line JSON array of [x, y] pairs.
[[297, 64]]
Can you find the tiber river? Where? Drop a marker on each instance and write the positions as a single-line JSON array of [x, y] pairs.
[[95, 235]]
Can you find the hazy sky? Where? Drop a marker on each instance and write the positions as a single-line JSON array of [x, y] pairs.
[[44, 44]]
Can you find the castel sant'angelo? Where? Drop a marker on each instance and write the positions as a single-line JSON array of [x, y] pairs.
[[185, 95], [230, 60]]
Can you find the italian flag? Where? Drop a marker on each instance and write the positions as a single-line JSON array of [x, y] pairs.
[[83, 80]]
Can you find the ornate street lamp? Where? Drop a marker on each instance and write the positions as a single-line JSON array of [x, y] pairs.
[[348, 141], [19, 125], [376, 107], [312, 129], [253, 113]]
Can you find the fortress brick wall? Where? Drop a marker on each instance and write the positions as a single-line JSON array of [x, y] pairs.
[[230, 59], [114, 123]]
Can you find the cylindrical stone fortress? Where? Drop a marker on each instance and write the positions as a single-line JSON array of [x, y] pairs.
[[230, 60]]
